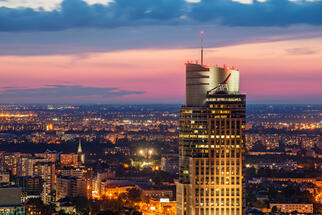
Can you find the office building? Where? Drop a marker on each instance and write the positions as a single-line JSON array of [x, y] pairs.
[[29, 184], [25, 166], [9, 162], [46, 170], [69, 187], [211, 143]]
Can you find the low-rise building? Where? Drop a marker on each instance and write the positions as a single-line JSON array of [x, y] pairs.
[[170, 163], [288, 208], [155, 193], [11, 200], [65, 206], [69, 159]]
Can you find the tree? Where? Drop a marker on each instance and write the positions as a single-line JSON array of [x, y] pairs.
[[61, 212], [134, 195], [107, 212], [274, 209], [82, 204]]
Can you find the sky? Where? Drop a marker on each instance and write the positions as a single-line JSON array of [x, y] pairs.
[[124, 51]]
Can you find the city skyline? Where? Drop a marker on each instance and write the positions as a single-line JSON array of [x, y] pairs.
[[160, 107], [130, 62], [129, 157]]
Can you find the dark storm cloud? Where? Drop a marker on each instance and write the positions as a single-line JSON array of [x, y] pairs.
[[78, 14], [64, 91], [269, 13]]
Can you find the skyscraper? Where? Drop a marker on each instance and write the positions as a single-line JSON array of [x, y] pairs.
[[211, 143]]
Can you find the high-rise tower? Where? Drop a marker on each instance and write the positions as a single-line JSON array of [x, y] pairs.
[[211, 143]]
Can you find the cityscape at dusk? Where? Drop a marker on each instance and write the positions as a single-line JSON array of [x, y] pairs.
[[160, 107]]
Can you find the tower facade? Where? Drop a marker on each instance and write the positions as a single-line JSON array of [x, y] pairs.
[[211, 143]]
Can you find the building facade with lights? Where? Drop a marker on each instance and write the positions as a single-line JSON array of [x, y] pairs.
[[211, 143]]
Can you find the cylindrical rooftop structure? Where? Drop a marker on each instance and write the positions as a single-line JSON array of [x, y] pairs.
[[201, 80]]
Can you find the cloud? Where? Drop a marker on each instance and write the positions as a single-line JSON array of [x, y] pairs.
[[80, 14], [301, 51], [268, 13], [48, 5], [63, 93]]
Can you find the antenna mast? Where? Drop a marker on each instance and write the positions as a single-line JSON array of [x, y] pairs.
[[201, 33]]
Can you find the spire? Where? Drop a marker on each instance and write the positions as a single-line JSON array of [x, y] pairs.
[[79, 150], [201, 33]]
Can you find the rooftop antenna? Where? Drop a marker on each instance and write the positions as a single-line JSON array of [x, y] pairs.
[[201, 33]]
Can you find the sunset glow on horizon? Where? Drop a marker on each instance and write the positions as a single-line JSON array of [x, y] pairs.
[[50, 54], [272, 71]]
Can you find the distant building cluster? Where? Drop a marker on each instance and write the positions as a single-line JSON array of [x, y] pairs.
[[129, 158], [49, 176]]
